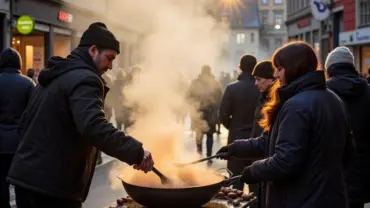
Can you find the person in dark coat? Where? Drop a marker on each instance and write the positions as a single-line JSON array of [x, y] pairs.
[[354, 90], [368, 75], [310, 140], [205, 94], [263, 73], [15, 93], [237, 111], [64, 125]]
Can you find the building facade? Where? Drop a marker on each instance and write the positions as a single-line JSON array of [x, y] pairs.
[[58, 27], [302, 26], [357, 32], [322, 35], [273, 32], [243, 36]]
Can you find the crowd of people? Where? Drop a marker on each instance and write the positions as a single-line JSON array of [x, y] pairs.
[[297, 135]]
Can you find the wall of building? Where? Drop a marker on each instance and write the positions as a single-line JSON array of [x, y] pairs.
[[237, 48], [271, 37]]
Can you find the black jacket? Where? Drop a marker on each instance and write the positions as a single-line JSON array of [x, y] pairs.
[[257, 129], [237, 107], [63, 125], [309, 144], [355, 92], [15, 92]]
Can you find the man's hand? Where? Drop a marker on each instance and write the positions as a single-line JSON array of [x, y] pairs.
[[147, 164]]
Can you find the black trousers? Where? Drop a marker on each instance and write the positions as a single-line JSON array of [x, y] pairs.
[[5, 161], [30, 199]]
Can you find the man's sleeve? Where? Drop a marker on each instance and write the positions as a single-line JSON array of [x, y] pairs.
[[86, 104]]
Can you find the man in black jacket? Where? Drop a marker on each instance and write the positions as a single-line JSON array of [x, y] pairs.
[[263, 73], [15, 92], [64, 125], [237, 110], [354, 90]]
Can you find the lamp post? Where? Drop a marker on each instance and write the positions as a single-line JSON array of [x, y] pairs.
[[329, 29]]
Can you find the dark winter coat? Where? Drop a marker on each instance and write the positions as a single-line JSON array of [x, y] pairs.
[[15, 92], [309, 144], [205, 94], [63, 125], [355, 92], [257, 129], [237, 107]]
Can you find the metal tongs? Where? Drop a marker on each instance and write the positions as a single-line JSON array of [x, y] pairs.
[[221, 155]]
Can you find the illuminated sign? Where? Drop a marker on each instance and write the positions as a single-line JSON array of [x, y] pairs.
[[25, 24], [65, 17]]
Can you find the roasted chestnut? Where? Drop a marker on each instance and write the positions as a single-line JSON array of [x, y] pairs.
[[246, 197], [236, 202], [239, 193], [221, 194], [232, 195], [227, 190]]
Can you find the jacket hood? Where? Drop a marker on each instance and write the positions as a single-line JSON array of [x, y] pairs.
[[57, 66], [348, 85], [10, 58], [345, 81]]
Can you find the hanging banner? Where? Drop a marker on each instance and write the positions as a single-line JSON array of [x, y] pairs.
[[320, 10]]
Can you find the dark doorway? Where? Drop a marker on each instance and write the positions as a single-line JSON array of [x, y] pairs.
[[337, 27]]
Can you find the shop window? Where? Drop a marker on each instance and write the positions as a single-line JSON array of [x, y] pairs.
[[364, 12], [252, 37], [62, 45], [308, 37], [31, 48], [365, 57], [265, 1]]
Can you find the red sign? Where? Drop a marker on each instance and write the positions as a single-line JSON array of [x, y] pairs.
[[304, 22], [65, 17]]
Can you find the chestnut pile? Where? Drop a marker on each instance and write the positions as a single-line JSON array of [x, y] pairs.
[[234, 196]]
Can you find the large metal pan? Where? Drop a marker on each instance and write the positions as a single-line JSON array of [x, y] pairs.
[[175, 197]]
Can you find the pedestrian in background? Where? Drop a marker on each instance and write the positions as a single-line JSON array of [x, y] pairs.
[[15, 94], [237, 109], [354, 90]]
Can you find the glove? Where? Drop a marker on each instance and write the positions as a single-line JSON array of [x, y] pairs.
[[247, 176], [225, 152]]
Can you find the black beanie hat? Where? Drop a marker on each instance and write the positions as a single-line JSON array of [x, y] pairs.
[[10, 58], [247, 63], [264, 69], [99, 35]]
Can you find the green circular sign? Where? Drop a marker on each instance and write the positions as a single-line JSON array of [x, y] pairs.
[[25, 24]]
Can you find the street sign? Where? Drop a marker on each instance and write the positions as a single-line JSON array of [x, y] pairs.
[[320, 10], [25, 24]]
